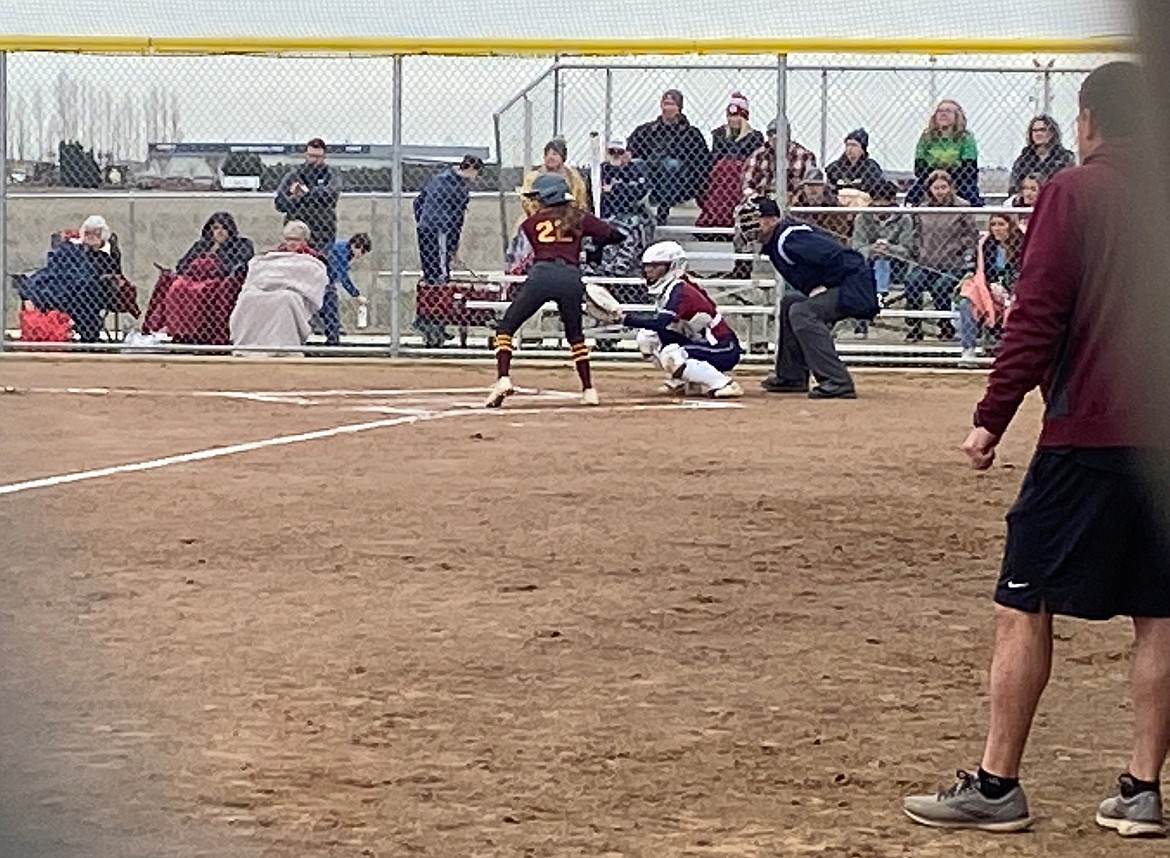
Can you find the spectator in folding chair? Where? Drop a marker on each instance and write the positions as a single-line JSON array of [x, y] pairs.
[[888, 242], [218, 261], [946, 254], [282, 291], [731, 145], [1043, 155], [675, 155], [947, 145], [341, 256], [220, 239], [439, 212], [81, 278]]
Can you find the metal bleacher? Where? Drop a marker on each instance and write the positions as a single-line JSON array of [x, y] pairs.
[[750, 305]]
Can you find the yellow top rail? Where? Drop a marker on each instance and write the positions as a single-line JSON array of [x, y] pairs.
[[517, 46]]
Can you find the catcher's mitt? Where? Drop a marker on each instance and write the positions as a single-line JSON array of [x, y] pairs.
[[601, 305]]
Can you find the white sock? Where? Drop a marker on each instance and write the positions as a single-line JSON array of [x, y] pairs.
[[703, 373]]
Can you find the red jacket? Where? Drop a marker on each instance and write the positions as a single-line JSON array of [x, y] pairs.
[[1067, 329]]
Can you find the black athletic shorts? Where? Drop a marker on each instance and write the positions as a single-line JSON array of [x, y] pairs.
[[1087, 538]]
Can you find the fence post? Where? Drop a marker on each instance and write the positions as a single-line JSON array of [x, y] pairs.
[[556, 129], [933, 81], [781, 167], [1047, 97], [128, 256], [528, 160], [396, 213], [782, 131], [3, 196], [824, 115], [608, 105]]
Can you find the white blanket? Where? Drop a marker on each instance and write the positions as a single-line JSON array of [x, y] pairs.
[[280, 295]]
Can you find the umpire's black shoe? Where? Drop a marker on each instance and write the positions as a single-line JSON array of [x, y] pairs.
[[775, 385], [819, 392]]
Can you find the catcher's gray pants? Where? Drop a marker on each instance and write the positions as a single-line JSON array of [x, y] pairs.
[[806, 342]]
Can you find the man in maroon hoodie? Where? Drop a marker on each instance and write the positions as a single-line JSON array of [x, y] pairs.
[[1086, 537]]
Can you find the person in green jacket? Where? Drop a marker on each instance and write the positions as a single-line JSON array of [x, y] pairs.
[[946, 144]]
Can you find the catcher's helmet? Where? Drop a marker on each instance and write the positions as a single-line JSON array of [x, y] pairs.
[[663, 253]]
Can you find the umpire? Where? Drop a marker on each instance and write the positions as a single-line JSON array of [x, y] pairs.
[[831, 283]]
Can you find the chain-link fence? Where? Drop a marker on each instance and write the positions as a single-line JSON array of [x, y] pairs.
[[294, 203]]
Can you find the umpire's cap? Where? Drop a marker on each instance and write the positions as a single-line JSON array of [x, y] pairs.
[[550, 189]]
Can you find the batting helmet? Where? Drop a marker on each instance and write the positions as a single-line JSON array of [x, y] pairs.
[[550, 189]]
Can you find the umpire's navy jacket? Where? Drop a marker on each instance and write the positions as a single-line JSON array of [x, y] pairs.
[[807, 257]]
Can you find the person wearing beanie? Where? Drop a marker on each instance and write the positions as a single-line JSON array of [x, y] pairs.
[[731, 144], [674, 152], [556, 153], [855, 172]]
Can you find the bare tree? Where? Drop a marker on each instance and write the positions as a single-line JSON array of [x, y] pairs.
[[42, 142], [19, 126]]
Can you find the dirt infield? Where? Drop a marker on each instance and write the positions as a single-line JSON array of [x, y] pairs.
[[636, 630]]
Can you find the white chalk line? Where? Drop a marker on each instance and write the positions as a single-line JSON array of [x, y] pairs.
[[319, 434]]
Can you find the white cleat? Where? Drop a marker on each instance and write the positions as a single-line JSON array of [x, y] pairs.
[[500, 391], [589, 397], [731, 390], [672, 387]]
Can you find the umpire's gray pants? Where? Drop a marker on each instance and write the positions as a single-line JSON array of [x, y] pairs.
[[806, 342]]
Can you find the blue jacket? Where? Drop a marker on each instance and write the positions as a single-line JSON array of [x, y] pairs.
[[807, 257], [441, 205], [338, 266], [629, 190]]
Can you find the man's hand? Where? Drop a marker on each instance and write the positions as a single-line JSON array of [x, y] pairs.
[[361, 299], [980, 448]]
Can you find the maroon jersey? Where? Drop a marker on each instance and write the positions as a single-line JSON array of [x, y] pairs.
[[550, 241]]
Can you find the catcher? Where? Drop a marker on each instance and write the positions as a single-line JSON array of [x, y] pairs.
[[555, 232], [685, 335]]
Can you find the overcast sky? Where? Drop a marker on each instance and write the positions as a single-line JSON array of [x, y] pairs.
[[451, 100]]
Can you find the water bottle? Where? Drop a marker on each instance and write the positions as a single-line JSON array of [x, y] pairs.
[[363, 315]]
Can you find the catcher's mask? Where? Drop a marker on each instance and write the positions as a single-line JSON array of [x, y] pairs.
[[663, 265], [751, 213]]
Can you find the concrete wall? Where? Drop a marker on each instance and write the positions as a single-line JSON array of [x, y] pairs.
[[159, 229]]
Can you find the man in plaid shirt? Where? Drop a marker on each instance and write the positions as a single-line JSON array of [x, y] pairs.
[[759, 180], [759, 171]]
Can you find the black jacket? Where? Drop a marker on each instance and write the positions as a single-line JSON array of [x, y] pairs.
[[657, 141], [1029, 162], [232, 255], [863, 176], [724, 146], [317, 208]]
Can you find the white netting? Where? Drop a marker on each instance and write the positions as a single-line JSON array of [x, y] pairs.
[[619, 18]]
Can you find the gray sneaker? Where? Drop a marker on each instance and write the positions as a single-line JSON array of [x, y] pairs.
[[1138, 816], [962, 805]]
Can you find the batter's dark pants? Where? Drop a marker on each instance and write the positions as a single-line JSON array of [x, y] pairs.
[[548, 281]]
